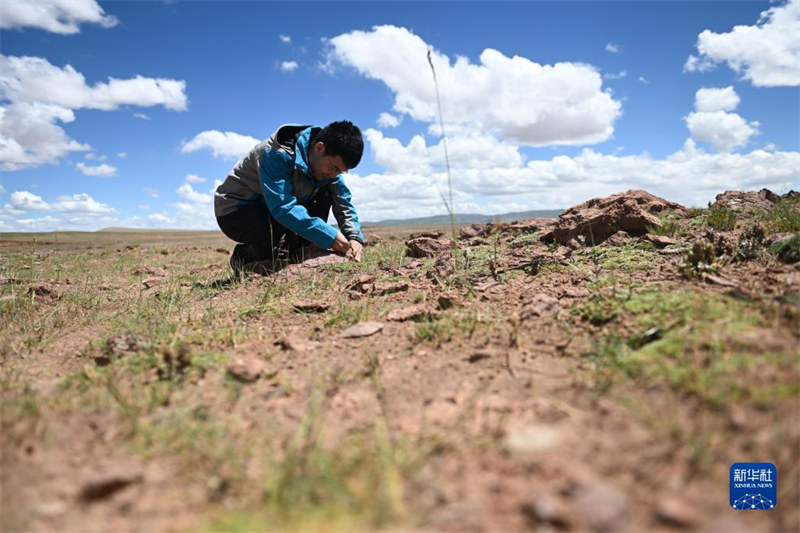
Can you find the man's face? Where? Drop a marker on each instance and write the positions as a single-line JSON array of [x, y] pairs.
[[324, 166]]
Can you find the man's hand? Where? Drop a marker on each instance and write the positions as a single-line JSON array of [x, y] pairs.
[[355, 250], [340, 244]]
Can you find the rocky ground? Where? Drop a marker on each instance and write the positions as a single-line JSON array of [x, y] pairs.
[[596, 372]]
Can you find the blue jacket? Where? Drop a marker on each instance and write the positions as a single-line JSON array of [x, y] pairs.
[[276, 171]]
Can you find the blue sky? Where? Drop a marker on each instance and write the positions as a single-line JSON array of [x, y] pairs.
[[129, 113]]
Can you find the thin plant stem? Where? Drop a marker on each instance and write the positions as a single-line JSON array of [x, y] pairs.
[[446, 155]]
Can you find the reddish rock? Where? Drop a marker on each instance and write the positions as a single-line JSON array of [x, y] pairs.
[[426, 247], [408, 313], [599, 218], [470, 231], [762, 200], [661, 241], [388, 287], [310, 306], [539, 305], [246, 368]]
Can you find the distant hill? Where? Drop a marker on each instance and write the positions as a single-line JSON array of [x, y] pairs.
[[467, 218]]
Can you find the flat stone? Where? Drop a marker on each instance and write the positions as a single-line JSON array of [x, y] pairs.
[[533, 439], [246, 368], [407, 313], [389, 287], [149, 283], [111, 478], [310, 306], [362, 329], [294, 343], [602, 507], [719, 280], [676, 511]]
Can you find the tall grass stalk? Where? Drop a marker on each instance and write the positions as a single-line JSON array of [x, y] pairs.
[[449, 205]]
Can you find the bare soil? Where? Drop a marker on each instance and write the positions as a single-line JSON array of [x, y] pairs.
[[512, 386]]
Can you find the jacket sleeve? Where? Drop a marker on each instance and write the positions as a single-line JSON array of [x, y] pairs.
[[275, 174], [344, 212]]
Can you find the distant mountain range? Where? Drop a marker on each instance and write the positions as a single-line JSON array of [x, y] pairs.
[[467, 218]]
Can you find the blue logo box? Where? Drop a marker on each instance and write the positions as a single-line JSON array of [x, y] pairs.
[[754, 486]]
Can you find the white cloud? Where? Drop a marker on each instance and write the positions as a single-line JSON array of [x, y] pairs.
[[564, 103], [713, 99], [42, 95], [644, 80], [144, 207], [153, 193], [288, 66], [689, 176], [141, 116], [724, 131], [712, 123], [387, 120], [34, 79], [122, 155], [285, 39], [159, 217], [2, 189], [612, 48], [95, 157], [57, 16], [100, 171], [187, 192], [227, 145], [618, 76], [80, 203], [29, 135], [418, 157], [767, 54], [194, 178], [24, 201]]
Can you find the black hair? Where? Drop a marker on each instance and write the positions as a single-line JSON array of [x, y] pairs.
[[342, 138]]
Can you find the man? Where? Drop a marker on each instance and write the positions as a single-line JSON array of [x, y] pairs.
[[276, 200]]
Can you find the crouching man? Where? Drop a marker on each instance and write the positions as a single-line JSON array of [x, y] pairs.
[[276, 200]]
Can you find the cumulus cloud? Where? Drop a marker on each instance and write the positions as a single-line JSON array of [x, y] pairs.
[[288, 66], [461, 144], [40, 96], [713, 99], [187, 192], [285, 39], [194, 178], [22, 202], [152, 193], [95, 157], [712, 123], [724, 131], [225, 145], [34, 79], [30, 135], [122, 155], [57, 16], [690, 176], [100, 171], [523, 101], [767, 53], [387, 120]]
